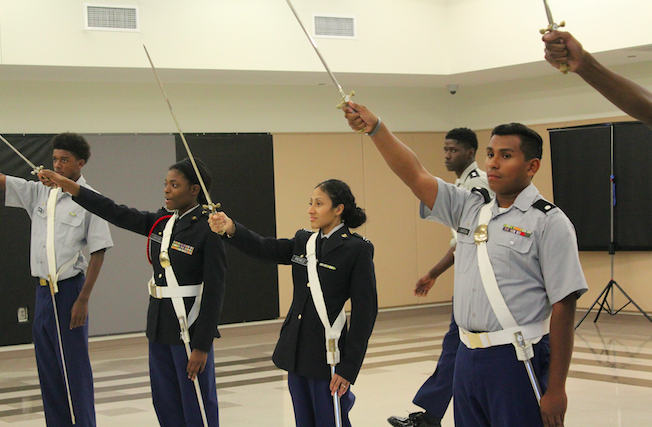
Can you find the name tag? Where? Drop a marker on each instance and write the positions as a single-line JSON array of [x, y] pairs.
[[301, 260], [182, 247], [464, 231]]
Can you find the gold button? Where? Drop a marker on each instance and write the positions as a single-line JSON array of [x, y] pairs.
[[160, 275], [308, 284], [299, 317]]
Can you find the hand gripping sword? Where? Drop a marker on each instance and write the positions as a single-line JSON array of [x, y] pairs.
[[210, 207], [35, 169], [552, 26], [345, 98]]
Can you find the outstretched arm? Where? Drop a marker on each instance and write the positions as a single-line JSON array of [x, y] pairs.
[[399, 157], [3, 180], [632, 98], [66, 184]]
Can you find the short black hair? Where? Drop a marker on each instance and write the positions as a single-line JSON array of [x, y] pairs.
[[74, 143], [531, 142], [464, 136], [185, 167]]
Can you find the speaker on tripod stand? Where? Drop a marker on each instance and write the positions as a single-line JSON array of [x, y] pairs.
[[602, 180]]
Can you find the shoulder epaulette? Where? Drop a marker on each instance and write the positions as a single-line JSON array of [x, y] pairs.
[[474, 174], [543, 205], [360, 237], [483, 192]]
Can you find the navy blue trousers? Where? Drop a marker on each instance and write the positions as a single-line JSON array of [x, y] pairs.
[[435, 394], [492, 388], [75, 350], [313, 403], [173, 394]]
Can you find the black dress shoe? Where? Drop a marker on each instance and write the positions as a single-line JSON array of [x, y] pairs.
[[415, 419]]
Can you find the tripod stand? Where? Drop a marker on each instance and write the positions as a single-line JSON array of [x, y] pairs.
[[609, 289]]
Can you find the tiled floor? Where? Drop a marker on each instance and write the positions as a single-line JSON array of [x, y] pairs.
[[610, 382]]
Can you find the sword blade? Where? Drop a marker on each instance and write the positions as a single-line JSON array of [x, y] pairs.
[[63, 359], [211, 206], [321, 58], [336, 403], [35, 168], [548, 13]]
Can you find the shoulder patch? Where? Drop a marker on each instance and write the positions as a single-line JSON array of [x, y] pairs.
[[360, 237], [483, 192], [543, 205], [474, 174]]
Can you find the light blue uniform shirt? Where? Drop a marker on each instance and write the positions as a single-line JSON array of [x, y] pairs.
[[533, 271], [74, 226]]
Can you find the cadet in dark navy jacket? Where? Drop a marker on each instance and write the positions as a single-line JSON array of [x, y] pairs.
[[197, 256], [346, 271]]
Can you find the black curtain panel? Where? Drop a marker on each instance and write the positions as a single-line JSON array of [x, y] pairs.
[[17, 285], [583, 158], [242, 168]]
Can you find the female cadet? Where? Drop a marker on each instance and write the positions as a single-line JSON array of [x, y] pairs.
[[185, 255], [345, 270]]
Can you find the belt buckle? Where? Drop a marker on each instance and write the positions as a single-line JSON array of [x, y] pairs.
[[154, 291], [475, 340], [42, 281]]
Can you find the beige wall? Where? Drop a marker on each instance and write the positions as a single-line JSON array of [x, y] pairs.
[[407, 247]]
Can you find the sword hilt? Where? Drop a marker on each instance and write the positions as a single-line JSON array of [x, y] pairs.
[[37, 169], [211, 208], [564, 67], [345, 101]]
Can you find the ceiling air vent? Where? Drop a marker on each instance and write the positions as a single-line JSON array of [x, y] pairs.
[[111, 18], [334, 26]]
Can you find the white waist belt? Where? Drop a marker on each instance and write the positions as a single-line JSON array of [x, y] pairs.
[[160, 292], [532, 332]]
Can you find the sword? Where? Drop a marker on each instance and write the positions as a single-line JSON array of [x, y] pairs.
[[185, 337], [35, 169], [552, 26], [211, 207], [54, 290], [332, 347], [529, 368], [345, 98]]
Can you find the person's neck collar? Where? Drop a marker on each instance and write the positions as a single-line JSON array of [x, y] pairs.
[[470, 168], [333, 230], [188, 211]]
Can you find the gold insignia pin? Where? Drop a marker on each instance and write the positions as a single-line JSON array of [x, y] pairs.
[[164, 259], [344, 235], [194, 218], [480, 235]]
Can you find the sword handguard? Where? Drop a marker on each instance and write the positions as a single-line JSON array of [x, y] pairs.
[[36, 170], [211, 208], [345, 100]]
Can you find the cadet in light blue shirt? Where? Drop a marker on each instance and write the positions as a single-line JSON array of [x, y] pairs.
[[74, 229], [533, 250]]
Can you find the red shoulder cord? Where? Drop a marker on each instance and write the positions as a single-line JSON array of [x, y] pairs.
[[151, 230]]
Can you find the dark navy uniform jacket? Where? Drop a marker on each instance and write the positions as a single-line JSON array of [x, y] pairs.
[[346, 271], [200, 257]]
